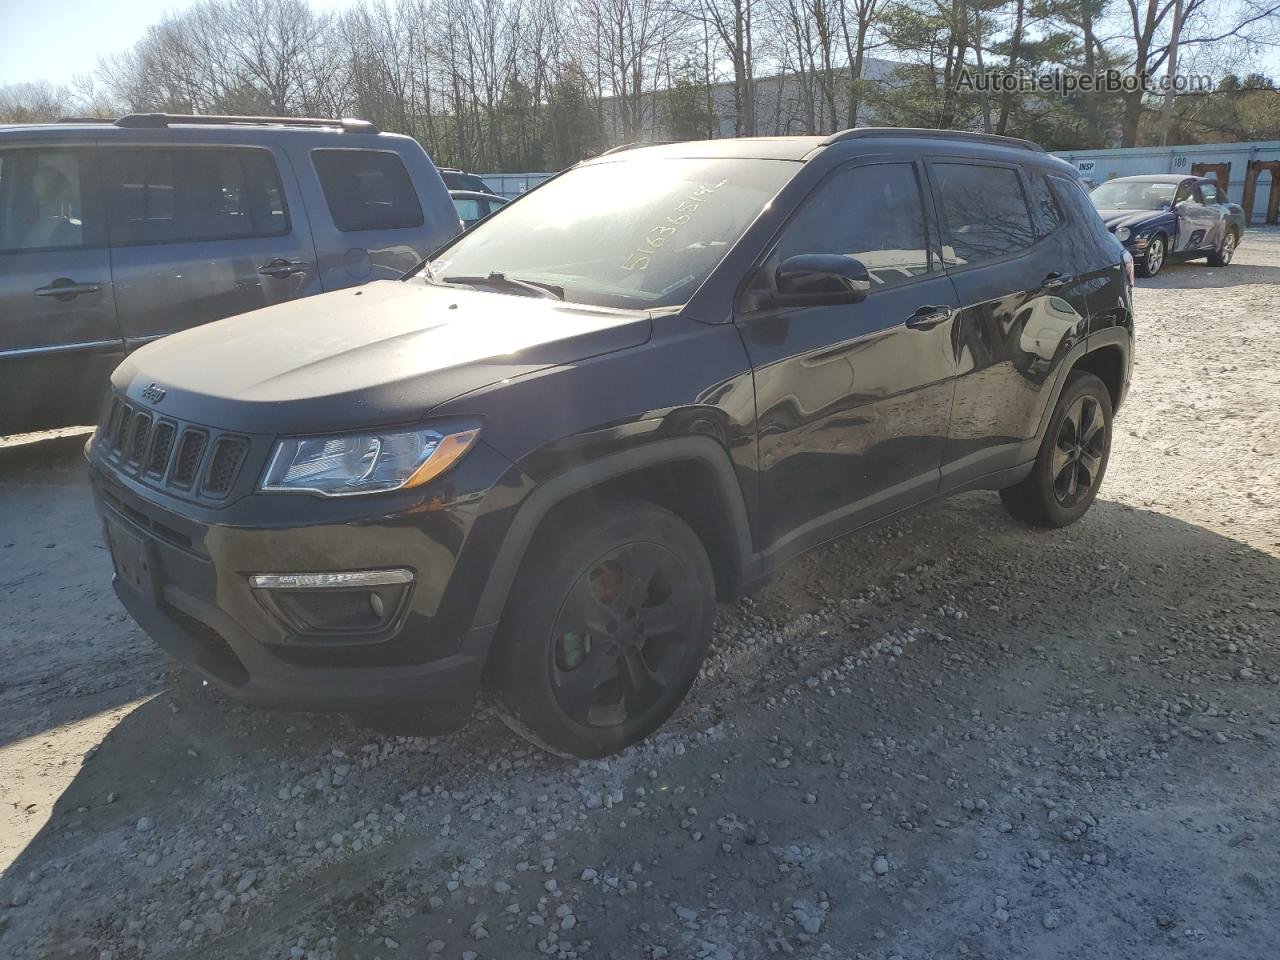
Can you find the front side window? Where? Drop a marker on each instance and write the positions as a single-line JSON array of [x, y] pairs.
[[367, 190], [1210, 191], [161, 195], [40, 200], [633, 234], [872, 213], [985, 210]]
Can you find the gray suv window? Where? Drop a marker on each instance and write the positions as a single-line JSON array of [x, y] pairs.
[[367, 190], [40, 200], [182, 195]]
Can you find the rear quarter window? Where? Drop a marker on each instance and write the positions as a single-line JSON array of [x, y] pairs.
[[1045, 211], [367, 190], [1071, 196]]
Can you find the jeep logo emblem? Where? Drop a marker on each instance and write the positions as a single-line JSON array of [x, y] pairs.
[[153, 393]]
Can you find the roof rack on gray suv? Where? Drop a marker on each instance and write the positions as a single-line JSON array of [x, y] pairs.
[[346, 124], [991, 138]]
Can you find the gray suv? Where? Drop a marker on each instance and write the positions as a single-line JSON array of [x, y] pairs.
[[116, 233]]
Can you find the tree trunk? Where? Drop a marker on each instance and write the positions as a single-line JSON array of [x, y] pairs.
[[1015, 54], [1171, 71]]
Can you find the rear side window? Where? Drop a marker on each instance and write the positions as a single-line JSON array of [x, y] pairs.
[[40, 200], [185, 195], [367, 190], [872, 213], [1044, 208], [985, 210]]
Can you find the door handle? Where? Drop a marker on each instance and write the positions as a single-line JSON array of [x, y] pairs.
[[281, 269], [66, 289], [1056, 281], [929, 316]]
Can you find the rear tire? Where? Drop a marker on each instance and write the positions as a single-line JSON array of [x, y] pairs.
[[1151, 262], [605, 631], [1072, 459], [1222, 256]]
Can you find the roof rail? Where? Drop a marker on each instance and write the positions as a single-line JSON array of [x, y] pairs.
[[347, 124], [991, 138], [84, 120], [620, 148]]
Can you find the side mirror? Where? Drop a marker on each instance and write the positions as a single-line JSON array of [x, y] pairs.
[[815, 279]]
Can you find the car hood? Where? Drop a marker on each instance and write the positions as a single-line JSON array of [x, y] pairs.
[[380, 354], [1130, 218]]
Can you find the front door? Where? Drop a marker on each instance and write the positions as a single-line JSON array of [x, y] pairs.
[[199, 233], [853, 400], [58, 335], [1197, 224]]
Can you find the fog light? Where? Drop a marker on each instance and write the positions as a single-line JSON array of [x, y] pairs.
[[357, 602]]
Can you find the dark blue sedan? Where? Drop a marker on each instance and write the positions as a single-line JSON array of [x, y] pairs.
[[1167, 217]]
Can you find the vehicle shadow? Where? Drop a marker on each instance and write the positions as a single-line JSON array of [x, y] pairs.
[[189, 760]]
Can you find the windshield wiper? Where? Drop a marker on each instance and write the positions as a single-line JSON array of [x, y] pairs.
[[503, 282]]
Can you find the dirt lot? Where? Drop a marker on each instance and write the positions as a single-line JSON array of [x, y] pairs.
[[952, 738]]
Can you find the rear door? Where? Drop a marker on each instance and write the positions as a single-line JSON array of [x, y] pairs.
[[853, 400], [58, 335], [202, 232], [381, 219], [1022, 296]]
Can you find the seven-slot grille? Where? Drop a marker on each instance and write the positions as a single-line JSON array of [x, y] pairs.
[[189, 460]]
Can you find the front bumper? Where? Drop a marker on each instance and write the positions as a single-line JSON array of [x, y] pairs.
[[197, 602]]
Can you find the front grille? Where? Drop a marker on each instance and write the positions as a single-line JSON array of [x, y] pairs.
[[188, 460], [161, 446], [228, 453], [138, 438]]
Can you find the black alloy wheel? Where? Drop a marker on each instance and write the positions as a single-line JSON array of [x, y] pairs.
[[1078, 452], [1072, 459], [622, 634], [607, 625]]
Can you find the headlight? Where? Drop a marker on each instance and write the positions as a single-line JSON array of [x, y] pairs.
[[354, 463], [1122, 233]]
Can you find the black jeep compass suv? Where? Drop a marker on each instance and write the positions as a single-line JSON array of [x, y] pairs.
[[537, 461]]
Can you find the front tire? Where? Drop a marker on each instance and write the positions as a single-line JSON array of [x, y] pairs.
[[1153, 260], [607, 626], [1072, 459], [1222, 256]]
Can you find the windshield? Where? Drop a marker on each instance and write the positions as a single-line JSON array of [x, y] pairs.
[[1134, 195], [632, 234]]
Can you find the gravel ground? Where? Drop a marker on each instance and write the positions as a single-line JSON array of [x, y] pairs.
[[953, 737]]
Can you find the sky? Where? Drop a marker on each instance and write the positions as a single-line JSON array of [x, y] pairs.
[[56, 39]]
